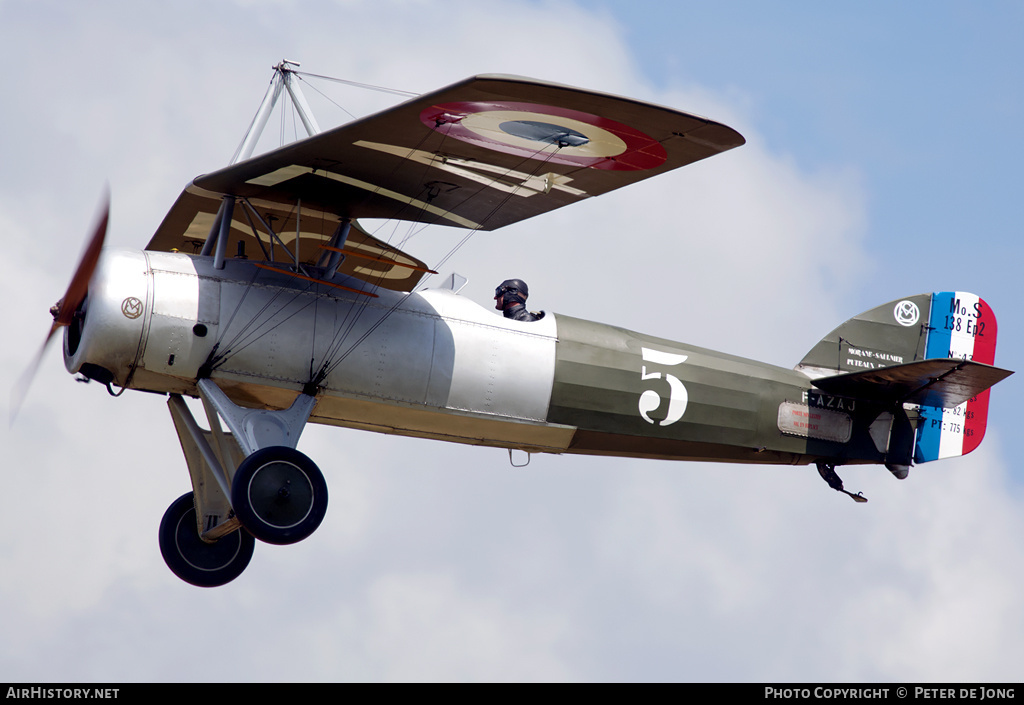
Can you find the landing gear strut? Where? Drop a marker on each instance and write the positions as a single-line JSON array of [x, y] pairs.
[[276, 494], [828, 474]]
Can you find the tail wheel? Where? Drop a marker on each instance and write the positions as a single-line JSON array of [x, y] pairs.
[[195, 561], [279, 495]]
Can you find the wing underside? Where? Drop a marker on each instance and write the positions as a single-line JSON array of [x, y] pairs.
[[271, 231], [480, 154]]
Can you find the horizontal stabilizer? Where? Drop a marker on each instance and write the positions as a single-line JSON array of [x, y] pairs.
[[942, 383]]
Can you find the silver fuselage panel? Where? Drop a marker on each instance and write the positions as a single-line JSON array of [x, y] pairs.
[[431, 364]]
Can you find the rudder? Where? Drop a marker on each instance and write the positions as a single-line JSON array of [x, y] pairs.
[[961, 326]]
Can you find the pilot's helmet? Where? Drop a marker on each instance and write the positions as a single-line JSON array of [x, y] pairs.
[[509, 292]]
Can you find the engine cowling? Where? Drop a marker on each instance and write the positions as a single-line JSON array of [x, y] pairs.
[[104, 339]]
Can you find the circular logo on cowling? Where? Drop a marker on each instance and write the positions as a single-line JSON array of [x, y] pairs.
[[131, 307], [906, 313]]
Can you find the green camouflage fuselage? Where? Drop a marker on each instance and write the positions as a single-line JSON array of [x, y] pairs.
[[736, 410]]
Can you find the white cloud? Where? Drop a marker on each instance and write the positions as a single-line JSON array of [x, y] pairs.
[[437, 561], [424, 627]]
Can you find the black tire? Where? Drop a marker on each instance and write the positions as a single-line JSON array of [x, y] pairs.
[[195, 561], [279, 495]]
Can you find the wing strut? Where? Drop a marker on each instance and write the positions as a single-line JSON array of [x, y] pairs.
[[282, 79], [338, 248], [217, 241], [225, 229]]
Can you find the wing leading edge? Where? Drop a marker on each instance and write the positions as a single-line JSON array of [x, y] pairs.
[[482, 153]]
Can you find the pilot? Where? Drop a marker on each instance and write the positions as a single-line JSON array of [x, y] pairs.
[[510, 299]]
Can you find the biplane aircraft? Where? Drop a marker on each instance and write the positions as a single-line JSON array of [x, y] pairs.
[[261, 295]]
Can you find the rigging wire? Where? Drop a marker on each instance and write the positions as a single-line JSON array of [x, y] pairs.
[[252, 331], [355, 312], [326, 97], [369, 86], [333, 357], [341, 358]]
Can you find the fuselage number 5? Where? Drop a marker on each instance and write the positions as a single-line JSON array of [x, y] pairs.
[[650, 400]]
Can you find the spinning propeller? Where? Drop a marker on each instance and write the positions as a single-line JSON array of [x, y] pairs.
[[64, 310]]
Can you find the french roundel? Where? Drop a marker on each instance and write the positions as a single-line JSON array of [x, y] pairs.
[[547, 133]]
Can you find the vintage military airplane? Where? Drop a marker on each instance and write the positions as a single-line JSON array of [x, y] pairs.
[[260, 295]]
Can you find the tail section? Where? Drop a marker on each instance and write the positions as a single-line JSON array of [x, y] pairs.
[[931, 350]]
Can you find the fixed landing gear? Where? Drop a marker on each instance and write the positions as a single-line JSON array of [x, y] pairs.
[[249, 483], [279, 495], [198, 562], [828, 474]]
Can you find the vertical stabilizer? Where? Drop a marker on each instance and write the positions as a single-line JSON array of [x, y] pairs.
[[940, 326]]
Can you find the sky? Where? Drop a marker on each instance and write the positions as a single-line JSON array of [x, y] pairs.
[[881, 161]]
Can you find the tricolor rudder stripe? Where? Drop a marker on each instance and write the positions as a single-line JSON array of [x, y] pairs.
[[961, 326]]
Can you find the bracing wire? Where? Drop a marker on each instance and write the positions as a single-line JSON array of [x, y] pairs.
[[336, 350], [368, 86], [326, 97], [333, 365], [353, 315]]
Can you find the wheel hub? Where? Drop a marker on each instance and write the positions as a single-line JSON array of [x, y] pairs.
[[280, 494]]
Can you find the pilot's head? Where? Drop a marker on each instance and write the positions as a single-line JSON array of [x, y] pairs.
[[509, 293]]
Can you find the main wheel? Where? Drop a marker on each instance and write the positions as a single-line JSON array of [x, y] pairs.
[[279, 495], [195, 561]]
